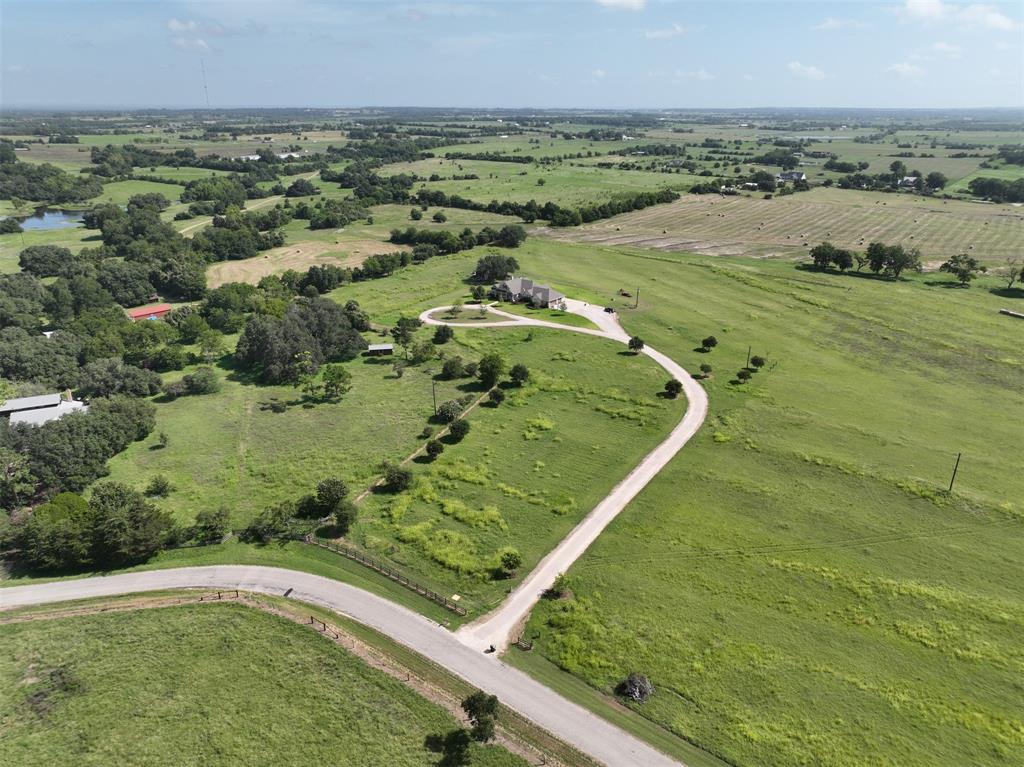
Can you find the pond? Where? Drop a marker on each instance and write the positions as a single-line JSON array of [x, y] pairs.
[[49, 218]]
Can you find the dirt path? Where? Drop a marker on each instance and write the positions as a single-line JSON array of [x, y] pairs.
[[249, 206], [498, 627]]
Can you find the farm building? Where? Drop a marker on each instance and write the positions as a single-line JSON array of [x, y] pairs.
[[790, 175], [380, 350], [909, 182], [35, 411], [154, 312], [525, 290]]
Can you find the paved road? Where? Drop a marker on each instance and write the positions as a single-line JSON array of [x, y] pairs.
[[497, 627], [571, 723]]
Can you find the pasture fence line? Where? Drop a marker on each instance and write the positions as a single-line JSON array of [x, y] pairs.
[[233, 594], [388, 572]]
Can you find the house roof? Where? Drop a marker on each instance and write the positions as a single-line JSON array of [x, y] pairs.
[[380, 347], [518, 286], [41, 415], [30, 403], [149, 311]]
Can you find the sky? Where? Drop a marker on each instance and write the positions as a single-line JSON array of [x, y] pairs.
[[558, 53]]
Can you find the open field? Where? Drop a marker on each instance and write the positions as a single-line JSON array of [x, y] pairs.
[[796, 583], [529, 469], [787, 226], [172, 685], [299, 257], [119, 192]]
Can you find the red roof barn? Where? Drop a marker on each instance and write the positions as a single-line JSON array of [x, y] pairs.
[[152, 312]]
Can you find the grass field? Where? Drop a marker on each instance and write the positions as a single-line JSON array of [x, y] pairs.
[[213, 685], [797, 583], [119, 192], [787, 226]]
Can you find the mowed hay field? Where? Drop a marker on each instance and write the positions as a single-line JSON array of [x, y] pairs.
[[797, 583], [751, 225], [211, 685], [529, 469]]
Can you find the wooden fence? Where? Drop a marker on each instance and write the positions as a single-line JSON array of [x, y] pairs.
[[387, 572]]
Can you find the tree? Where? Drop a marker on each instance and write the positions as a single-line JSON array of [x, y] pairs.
[[965, 268], [757, 362], [899, 259], [126, 527], [482, 711], [337, 381], [490, 368], [519, 374], [673, 388], [709, 343], [459, 429], [705, 370], [403, 331], [16, 480], [494, 267], [443, 334], [439, 217], [46, 260], [455, 309], [936, 180], [421, 352], [396, 478], [272, 522], [211, 525], [449, 411], [510, 561], [434, 449], [497, 396], [636, 344], [1012, 271], [898, 168], [744, 375], [330, 492], [822, 254], [301, 188], [415, 214], [57, 535], [344, 516]]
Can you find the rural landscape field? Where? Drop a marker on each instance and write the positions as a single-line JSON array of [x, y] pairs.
[[339, 431]]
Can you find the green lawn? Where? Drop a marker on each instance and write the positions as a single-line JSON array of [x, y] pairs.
[[119, 192], [797, 583], [212, 685]]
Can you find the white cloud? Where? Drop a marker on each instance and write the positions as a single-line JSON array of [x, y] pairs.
[[806, 71], [175, 25], [624, 5], [831, 24], [987, 16], [976, 14], [599, 74], [190, 43], [699, 74], [906, 69], [676, 30], [951, 50]]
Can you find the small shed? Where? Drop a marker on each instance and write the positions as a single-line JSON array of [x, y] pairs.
[[380, 350], [18, 404]]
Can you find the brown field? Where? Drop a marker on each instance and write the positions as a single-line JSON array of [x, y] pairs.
[[299, 256], [786, 226]]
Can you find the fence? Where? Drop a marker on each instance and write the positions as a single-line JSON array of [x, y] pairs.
[[387, 572]]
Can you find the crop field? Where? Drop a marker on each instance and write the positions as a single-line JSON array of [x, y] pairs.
[[205, 685], [529, 469], [797, 583], [787, 226], [299, 256]]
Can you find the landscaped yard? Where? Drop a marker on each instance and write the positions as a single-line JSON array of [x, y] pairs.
[[212, 685]]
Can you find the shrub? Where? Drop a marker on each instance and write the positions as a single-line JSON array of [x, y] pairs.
[[705, 370], [211, 525], [673, 388], [636, 344], [510, 560], [396, 478], [159, 486], [709, 343], [443, 334], [744, 375], [497, 396], [449, 411], [434, 449], [636, 687], [519, 374], [757, 362], [452, 368], [459, 429]]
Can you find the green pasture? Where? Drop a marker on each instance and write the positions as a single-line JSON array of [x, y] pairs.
[[205, 684], [797, 583]]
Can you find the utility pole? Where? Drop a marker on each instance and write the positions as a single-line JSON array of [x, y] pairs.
[[635, 305], [433, 390], [206, 91], [748, 357], [955, 467]]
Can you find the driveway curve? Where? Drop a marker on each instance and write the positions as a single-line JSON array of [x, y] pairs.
[[497, 627], [567, 721]]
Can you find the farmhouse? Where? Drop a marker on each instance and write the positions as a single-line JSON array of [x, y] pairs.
[[525, 290], [35, 411], [380, 350], [790, 175], [154, 312], [908, 182]]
